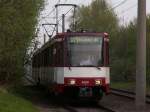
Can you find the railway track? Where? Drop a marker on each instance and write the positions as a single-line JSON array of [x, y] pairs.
[[97, 108], [127, 94], [67, 105], [47, 103], [80, 105], [106, 108]]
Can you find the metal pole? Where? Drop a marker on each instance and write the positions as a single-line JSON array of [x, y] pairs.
[[74, 24], [63, 23], [56, 19], [44, 38], [141, 56]]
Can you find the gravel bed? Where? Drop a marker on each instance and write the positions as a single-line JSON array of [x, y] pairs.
[[121, 104]]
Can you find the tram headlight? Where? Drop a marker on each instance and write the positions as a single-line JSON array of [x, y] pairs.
[[97, 82], [72, 82]]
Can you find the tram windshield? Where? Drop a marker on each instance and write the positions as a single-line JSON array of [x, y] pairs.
[[85, 51]]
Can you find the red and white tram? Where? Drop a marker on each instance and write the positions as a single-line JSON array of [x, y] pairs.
[[76, 64]]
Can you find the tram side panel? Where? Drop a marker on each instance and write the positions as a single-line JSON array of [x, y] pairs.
[[45, 70]]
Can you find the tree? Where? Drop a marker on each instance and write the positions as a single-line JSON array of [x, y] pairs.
[[17, 26], [124, 63], [98, 16], [123, 57]]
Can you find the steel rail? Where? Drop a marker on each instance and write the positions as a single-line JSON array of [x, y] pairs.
[[106, 108], [127, 94]]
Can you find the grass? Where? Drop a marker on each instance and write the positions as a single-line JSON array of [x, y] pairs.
[[12, 103], [127, 86], [123, 85]]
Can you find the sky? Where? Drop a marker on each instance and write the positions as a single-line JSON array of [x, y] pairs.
[[126, 12]]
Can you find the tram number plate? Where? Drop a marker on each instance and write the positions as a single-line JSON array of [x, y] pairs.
[[85, 82]]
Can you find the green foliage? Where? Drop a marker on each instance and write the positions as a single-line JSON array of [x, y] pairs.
[[17, 25], [123, 85], [97, 17], [123, 57]]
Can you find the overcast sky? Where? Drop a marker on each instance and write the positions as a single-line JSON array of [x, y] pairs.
[[126, 12]]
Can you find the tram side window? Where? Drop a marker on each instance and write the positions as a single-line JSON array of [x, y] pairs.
[[41, 59], [35, 62], [50, 57], [60, 57], [38, 60], [46, 57]]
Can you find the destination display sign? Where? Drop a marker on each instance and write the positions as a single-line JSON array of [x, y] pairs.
[[85, 40]]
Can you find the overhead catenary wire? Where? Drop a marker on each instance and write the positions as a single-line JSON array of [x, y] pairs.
[[65, 14], [114, 7], [118, 5], [53, 9], [122, 13], [47, 16], [58, 20], [133, 6], [47, 30], [52, 12]]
